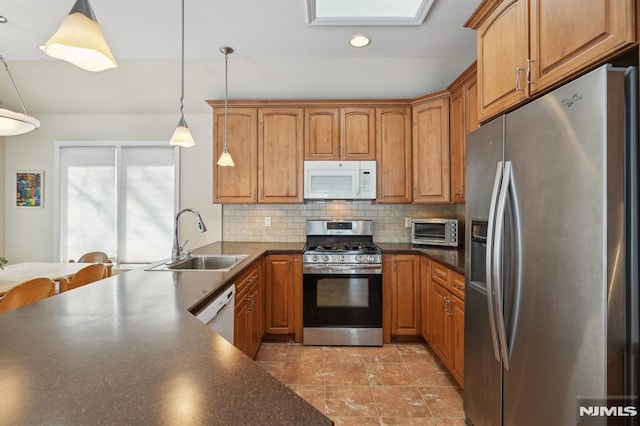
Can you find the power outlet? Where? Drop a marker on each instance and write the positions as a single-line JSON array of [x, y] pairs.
[[267, 221], [407, 222]]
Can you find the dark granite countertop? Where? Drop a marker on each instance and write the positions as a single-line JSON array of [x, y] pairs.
[[126, 350], [448, 256]]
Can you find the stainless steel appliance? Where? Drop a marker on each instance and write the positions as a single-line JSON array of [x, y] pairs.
[[219, 313], [551, 319], [436, 232], [348, 180], [342, 284]]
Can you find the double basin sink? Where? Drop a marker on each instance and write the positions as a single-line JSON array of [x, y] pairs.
[[211, 262]]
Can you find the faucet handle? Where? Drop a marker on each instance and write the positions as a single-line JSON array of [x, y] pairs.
[[183, 245]]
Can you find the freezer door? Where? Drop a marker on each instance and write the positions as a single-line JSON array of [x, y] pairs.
[[483, 375], [568, 189]]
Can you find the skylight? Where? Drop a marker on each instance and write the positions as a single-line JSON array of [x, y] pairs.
[[367, 12]]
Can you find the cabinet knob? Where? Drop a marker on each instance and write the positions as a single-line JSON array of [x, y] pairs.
[[459, 287]]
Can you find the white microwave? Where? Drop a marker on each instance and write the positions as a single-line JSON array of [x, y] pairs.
[[339, 180]]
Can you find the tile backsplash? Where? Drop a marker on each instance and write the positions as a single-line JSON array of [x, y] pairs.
[[246, 222]]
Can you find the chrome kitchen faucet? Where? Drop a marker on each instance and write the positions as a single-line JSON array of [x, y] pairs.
[[175, 251]]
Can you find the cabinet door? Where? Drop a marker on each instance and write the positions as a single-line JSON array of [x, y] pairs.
[[458, 144], [569, 35], [457, 355], [440, 325], [425, 298], [259, 308], [406, 295], [241, 326], [431, 151], [321, 134], [357, 133], [393, 152], [502, 58], [255, 338], [471, 103], [280, 155], [279, 294], [236, 184]]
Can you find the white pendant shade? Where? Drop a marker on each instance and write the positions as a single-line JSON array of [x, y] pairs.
[[79, 40], [15, 123], [225, 159], [182, 136]]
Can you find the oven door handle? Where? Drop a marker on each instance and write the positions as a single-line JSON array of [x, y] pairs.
[[342, 269]]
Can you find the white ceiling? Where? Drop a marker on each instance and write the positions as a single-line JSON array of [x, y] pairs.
[[277, 55]]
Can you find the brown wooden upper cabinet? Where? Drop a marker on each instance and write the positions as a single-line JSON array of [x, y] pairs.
[[237, 184], [526, 47], [463, 119], [267, 148], [431, 150], [393, 154], [280, 153], [346, 133]]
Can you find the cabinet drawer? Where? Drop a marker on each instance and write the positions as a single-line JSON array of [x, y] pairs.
[[244, 281], [440, 274], [457, 285]]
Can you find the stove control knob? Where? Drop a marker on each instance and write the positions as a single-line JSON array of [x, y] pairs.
[[314, 258], [326, 258], [370, 259], [342, 258], [358, 258]]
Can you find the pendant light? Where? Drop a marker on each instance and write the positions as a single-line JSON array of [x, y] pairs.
[[225, 159], [79, 40], [15, 123], [182, 135]]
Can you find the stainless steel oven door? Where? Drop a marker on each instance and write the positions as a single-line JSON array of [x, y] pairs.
[[342, 309]]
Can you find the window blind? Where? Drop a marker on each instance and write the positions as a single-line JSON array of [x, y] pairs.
[[119, 200]]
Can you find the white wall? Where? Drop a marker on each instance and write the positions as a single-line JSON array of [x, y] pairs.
[[29, 233], [2, 173]]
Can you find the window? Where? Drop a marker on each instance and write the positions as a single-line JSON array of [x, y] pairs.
[[119, 198]]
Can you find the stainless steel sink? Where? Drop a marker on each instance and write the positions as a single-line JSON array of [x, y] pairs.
[[213, 262]]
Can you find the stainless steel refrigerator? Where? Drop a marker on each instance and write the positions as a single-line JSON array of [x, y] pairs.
[[551, 308]]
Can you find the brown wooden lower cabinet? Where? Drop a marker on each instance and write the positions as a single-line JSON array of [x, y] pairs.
[[249, 309], [447, 325], [457, 341], [405, 288], [440, 323], [283, 278], [425, 298]]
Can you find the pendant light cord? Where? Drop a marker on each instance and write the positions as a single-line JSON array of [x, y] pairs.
[[182, 66], [14, 84], [226, 111]]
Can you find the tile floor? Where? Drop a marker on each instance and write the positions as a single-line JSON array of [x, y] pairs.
[[397, 384]]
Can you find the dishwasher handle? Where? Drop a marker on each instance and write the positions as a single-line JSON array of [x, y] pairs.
[[217, 305]]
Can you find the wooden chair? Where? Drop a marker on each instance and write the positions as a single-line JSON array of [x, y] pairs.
[[96, 257], [86, 275], [27, 292]]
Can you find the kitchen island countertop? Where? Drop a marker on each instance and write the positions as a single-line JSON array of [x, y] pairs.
[[126, 350]]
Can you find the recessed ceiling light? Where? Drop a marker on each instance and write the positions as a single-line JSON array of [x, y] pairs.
[[3, 20], [359, 40]]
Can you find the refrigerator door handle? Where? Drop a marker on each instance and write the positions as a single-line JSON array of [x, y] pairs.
[[489, 265], [497, 262]]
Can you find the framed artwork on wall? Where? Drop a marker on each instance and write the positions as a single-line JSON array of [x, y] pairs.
[[29, 189]]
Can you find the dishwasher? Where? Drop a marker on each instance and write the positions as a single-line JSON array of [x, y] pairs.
[[219, 313]]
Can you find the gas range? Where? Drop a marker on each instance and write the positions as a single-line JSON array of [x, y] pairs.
[[342, 284]]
